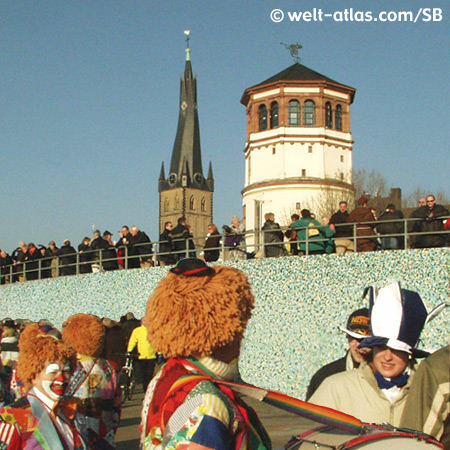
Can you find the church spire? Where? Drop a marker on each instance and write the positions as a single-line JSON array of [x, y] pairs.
[[187, 141]]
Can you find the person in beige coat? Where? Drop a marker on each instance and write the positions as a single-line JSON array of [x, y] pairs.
[[376, 392]]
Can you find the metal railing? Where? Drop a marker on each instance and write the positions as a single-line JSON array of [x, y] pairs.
[[252, 243]]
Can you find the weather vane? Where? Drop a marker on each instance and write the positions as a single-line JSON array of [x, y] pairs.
[[293, 49]]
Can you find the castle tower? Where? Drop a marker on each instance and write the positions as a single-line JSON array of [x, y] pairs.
[[298, 152], [186, 192]]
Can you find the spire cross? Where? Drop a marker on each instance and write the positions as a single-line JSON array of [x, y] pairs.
[[188, 37], [293, 49], [188, 50]]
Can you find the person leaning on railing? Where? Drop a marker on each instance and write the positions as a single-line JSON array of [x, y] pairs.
[[362, 215], [394, 225], [67, 258], [5, 266], [429, 224], [211, 248], [312, 240], [165, 257]]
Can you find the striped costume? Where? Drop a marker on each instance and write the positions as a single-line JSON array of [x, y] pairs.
[[200, 413]]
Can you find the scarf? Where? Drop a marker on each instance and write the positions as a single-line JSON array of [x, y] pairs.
[[388, 383]]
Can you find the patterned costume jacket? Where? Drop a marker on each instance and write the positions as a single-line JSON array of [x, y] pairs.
[[28, 424], [94, 383], [202, 413]]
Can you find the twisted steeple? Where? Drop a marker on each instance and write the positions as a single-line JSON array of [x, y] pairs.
[[186, 164]]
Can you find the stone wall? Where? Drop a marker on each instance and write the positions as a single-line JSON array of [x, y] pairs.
[[301, 301]]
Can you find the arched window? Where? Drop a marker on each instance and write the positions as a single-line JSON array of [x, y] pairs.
[[262, 118], [274, 115], [294, 113], [203, 204], [328, 115], [177, 203], [338, 117], [166, 205], [191, 202], [309, 113]]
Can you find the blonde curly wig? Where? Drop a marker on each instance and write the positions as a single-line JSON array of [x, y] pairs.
[[193, 316], [85, 333], [37, 350]]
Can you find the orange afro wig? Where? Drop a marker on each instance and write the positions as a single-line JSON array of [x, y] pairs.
[[37, 350], [85, 333], [195, 315]]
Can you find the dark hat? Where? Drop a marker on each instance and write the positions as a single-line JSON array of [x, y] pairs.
[[107, 233], [397, 317], [358, 324], [363, 199], [190, 267], [9, 323]]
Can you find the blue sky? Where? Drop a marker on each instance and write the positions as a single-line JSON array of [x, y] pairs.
[[90, 101]]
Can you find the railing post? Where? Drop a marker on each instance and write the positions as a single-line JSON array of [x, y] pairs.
[[306, 241], [222, 243], [355, 239]]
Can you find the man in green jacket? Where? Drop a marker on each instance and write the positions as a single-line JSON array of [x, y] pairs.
[[311, 234]]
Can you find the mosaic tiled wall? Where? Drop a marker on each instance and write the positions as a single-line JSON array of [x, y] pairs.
[[300, 303]]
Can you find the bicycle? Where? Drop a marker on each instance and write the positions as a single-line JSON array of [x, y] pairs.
[[126, 379]]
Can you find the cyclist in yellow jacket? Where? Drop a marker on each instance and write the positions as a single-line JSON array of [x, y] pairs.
[[147, 354]]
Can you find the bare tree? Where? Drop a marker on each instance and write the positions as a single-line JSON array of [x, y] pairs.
[[410, 201]]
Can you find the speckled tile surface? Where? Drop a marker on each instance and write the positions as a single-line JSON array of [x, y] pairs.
[[300, 303]]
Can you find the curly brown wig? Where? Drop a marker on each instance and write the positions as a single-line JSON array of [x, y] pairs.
[[85, 333], [193, 316], [37, 350]]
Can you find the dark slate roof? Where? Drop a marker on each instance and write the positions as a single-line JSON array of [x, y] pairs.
[[296, 72]]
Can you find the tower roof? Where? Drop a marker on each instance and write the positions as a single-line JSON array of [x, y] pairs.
[[296, 72]]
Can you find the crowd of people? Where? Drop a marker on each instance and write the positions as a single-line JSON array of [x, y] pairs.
[[359, 230], [60, 390]]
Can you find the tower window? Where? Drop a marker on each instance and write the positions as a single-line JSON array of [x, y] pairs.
[[341, 176], [328, 115], [166, 205], [303, 172], [274, 115], [203, 204], [294, 113], [262, 118], [297, 206], [309, 113], [342, 158], [309, 148], [338, 117], [191, 203], [273, 151]]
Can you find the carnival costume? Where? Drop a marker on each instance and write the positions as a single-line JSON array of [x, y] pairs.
[[94, 380], [42, 420], [196, 317]]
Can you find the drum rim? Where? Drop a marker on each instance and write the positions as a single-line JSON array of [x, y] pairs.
[[384, 431]]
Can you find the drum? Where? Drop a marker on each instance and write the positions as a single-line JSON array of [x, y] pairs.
[[373, 437]]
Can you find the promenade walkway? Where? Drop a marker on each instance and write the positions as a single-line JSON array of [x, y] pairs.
[[279, 424]]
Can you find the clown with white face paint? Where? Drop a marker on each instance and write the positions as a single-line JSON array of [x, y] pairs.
[[43, 420], [53, 380]]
